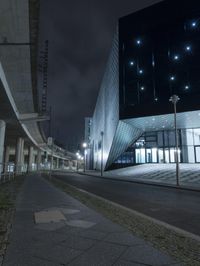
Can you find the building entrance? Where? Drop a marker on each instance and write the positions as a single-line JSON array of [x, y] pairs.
[[197, 154]]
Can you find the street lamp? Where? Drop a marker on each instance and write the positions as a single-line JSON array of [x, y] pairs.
[[78, 158], [102, 153], [174, 99], [85, 153]]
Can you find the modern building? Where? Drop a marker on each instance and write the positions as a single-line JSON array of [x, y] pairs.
[[155, 54]]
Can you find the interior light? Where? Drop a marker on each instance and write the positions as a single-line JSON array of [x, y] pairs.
[[172, 78], [156, 99], [187, 87], [132, 63], [138, 42], [142, 88]]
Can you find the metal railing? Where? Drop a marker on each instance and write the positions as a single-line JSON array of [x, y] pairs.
[[7, 172]]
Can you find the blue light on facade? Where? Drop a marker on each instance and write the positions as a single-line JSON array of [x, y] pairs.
[[141, 71]]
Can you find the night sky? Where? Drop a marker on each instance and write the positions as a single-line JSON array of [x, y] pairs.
[[80, 35]]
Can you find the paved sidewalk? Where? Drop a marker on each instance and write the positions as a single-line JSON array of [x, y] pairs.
[[156, 174], [52, 228]]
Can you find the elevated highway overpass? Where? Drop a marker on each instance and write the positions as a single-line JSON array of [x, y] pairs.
[[22, 142]]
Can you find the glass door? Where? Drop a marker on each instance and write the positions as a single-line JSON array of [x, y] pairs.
[[148, 156], [197, 154]]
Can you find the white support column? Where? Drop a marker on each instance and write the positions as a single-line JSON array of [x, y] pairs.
[[7, 156], [57, 163], [30, 158], [19, 154], [39, 159], [2, 139], [52, 162]]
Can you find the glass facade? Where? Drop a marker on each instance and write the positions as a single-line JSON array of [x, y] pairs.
[[159, 147]]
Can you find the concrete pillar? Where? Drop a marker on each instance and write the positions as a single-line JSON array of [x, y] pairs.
[[30, 158], [7, 154], [52, 160], [2, 139], [19, 155], [57, 163], [6, 160], [39, 159]]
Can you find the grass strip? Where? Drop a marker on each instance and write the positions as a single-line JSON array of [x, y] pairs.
[[8, 194]]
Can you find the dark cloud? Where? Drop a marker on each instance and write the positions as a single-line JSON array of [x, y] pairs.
[[80, 36]]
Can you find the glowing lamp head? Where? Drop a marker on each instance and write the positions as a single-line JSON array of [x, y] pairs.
[[84, 145]]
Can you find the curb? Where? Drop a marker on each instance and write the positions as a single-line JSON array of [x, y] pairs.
[[149, 183], [144, 216]]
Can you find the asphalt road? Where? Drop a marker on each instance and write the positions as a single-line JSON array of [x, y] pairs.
[[180, 208]]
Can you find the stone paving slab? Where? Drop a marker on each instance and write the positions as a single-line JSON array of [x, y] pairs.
[[58, 242], [156, 173]]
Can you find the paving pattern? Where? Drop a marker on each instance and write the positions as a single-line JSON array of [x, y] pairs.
[[41, 236], [159, 173]]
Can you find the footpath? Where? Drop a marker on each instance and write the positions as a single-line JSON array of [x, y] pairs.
[[52, 228]]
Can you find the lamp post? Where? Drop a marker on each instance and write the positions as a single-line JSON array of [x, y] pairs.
[[77, 154], [50, 144], [85, 153], [174, 99], [102, 153]]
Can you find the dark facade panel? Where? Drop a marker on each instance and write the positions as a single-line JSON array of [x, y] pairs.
[[159, 56]]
